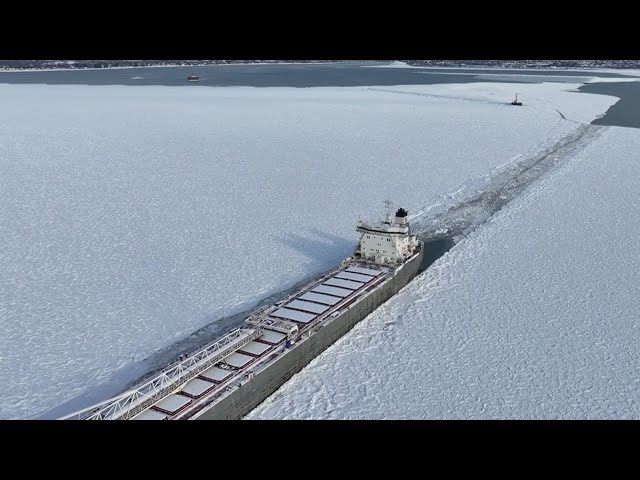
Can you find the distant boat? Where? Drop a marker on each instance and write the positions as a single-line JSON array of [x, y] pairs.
[[193, 78], [516, 102]]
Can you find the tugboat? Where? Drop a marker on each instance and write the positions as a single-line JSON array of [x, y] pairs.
[[193, 78], [516, 102]]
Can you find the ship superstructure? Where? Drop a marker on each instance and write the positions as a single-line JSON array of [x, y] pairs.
[[389, 241], [232, 375]]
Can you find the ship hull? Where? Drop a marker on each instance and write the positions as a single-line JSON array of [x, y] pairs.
[[249, 395]]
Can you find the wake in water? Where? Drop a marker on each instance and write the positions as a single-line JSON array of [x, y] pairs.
[[456, 215]]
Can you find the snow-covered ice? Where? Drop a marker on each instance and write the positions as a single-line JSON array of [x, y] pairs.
[[132, 216], [534, 315], [393, 64], [544, 98]]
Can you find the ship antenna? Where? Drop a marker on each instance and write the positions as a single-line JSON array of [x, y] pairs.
[[387, 204]]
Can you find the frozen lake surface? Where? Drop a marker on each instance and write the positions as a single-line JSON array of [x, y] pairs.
[[133, 216], [532, 316]]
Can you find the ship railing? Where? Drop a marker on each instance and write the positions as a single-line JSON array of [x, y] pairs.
[[282, 326], [135, 401]]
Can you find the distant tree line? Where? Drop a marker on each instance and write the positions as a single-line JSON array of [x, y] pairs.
[[529, 63], [37, 64]]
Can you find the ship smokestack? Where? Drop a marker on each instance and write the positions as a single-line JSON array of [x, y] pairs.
[[401, 217]]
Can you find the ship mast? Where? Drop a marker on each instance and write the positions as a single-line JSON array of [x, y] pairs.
[[387, 218]]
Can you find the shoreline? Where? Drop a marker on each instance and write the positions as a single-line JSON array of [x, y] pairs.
[[633, 72], [172, 65], [392, 64]]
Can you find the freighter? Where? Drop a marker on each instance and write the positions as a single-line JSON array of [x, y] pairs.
[[232, 375]]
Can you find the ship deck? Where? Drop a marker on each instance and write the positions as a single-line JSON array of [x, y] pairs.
[[307, 308], [203, 380]]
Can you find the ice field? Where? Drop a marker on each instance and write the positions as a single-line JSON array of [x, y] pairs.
[[132, 216]]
